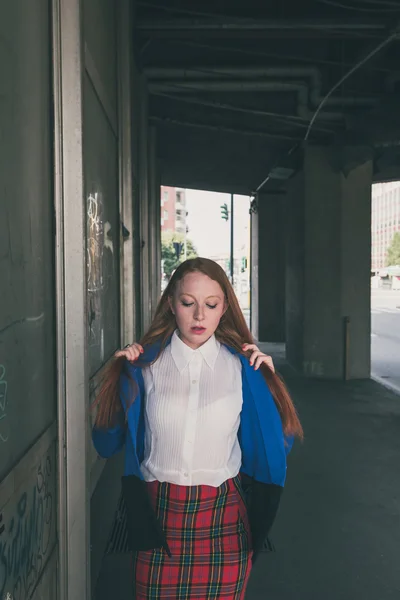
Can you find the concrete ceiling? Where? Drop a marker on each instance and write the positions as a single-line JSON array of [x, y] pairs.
[[234, 86]]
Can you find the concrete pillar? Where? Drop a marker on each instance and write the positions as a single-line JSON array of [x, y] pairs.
[[295, 265], [144, 195], [254, 268], [328, 268], [271, 268], [154, 222]]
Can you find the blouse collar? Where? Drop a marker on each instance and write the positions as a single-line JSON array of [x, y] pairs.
[[183, 354]]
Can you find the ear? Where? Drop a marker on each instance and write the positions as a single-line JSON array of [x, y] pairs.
[[170, 304]]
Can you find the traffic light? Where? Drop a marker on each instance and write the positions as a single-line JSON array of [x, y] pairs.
[[178, 247], [224, 212]]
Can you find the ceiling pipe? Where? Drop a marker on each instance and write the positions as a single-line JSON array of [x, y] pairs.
[[221, 128], [152, 26], [300, 89], [183, 76], [291, 120]]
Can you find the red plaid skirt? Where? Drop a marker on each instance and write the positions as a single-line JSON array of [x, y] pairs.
[[208, 534]]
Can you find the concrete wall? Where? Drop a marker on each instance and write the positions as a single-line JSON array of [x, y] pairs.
[[133, 146], [101, 177], [113, 158], [328, 268], [295, 266], [138, 146], [271, 268], [28, 524], [154, 221], [322, 275], [356, 267], [28, 460], [74, 167]]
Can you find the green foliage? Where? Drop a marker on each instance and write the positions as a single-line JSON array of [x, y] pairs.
[[224, 212], [393, 252], [168, 253]]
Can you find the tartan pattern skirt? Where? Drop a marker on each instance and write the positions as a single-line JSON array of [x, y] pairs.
[[208, 535]]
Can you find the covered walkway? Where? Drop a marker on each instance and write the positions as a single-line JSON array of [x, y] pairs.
[[292, 104]]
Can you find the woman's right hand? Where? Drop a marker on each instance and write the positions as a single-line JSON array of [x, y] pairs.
[[130, 352]]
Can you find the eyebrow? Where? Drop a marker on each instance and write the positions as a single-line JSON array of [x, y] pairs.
[[213, 296]]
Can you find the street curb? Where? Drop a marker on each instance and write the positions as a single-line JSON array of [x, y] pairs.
[[390, 386]]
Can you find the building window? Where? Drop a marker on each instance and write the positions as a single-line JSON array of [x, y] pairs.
[[180, 199], [165, 215]]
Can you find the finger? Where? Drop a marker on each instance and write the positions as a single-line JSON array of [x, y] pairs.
[[138, 350], [268, 361], [124, 353], [131, 352], [254, 356], [246, 347], [260, 360], [134, 353]]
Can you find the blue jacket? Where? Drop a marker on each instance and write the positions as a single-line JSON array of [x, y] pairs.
[[263, 444]]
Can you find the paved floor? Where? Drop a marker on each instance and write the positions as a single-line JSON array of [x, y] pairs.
[[337, 535], [338, 531]]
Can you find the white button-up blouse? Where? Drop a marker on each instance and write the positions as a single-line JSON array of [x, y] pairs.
[[193, 400]]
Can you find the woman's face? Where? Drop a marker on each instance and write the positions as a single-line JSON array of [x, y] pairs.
[[198, 305]]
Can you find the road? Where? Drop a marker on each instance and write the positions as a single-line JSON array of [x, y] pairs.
[[385, 336]]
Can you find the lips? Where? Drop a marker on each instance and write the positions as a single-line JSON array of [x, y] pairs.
[[198, 330]]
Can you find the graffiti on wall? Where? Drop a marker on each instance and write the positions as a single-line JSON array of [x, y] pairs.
[[27, 533], [95, 232], [100, 270], [313, 368], [3, 406], [95, 284]]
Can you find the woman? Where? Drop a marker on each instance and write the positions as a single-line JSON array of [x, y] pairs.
[[200, 411]]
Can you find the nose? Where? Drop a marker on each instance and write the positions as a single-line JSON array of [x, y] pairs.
[[199, 314]]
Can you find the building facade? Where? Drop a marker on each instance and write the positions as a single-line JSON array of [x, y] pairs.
[[173, 210], [385, 220]]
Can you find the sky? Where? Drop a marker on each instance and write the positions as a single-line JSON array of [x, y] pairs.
[[209, 233]]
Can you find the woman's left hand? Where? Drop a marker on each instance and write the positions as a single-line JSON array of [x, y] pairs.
[[257, 357]]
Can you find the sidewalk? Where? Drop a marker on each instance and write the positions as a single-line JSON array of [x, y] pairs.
[[337, 535]]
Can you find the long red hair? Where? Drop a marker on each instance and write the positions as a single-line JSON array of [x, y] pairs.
[[231, 331]]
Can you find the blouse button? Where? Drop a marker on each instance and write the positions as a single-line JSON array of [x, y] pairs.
[[186, 474]]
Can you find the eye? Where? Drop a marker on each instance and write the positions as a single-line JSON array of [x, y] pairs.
[[186, 303], [212, 305]]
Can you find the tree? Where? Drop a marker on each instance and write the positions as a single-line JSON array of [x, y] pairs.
[[393, 252], [224, 212], [168, 253]]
